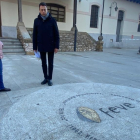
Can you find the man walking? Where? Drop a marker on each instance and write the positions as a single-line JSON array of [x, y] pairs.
[[46, 40]]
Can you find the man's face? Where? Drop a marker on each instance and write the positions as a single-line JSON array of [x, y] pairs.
[[43, 10]]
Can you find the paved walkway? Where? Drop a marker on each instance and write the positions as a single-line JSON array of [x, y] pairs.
[[23, 74]]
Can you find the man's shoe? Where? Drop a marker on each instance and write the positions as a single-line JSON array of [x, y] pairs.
[[5, 90], [44, 81], [50, 83]]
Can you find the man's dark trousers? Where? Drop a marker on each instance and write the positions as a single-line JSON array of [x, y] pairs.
[[48, 71]]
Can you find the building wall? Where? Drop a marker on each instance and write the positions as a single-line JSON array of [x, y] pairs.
[[9, 13], [129, 25]]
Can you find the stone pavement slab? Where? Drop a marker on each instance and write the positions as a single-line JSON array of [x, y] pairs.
[[4, 99], [23, 75]]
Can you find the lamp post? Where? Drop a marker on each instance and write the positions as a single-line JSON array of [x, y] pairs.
[[116, 8], [74, 28], [99, 46], [102, 18]]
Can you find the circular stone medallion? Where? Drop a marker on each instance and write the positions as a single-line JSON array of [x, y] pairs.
[[75, 112]]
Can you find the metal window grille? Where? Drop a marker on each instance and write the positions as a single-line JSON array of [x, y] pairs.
[[94, 16], [57, 11]]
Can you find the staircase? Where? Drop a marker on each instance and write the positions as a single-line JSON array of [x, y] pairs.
[[12, 46]]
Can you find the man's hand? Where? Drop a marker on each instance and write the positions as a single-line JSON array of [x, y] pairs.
[[35, 50], [55, 50]]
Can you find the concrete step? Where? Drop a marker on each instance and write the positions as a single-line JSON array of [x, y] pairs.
[[8, 38], [7, 53], [13, 50], [11, 43], [13, 47]]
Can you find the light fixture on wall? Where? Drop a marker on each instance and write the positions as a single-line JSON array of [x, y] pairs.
[[80, 0], [116, 8]]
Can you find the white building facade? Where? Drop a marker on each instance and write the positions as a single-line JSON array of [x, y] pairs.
[[120, 28]]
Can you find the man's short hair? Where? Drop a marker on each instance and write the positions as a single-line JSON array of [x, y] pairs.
[[42, 4]]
